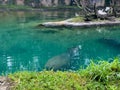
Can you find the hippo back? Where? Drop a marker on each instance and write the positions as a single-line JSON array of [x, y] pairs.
[[64, 61], [59, 62]]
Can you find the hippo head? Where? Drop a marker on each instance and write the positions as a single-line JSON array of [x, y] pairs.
[[74, 52]]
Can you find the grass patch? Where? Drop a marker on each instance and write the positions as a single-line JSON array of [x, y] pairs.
[[100, 76], [78, 19], [47, 80], [82, 19], [103, 75]]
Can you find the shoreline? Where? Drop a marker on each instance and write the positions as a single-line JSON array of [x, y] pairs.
[[107, 75], [37, 9], [69, 23]]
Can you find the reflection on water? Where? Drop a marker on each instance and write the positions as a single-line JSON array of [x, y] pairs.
[[9, 62], [24, 47]]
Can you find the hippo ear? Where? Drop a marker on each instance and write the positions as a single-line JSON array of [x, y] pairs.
[[70, 50]]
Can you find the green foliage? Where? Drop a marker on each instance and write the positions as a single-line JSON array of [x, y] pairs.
[[100, 76], [47, 80], [78, 19], [103, 75]]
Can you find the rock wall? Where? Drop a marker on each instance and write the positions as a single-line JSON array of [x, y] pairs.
[[19, 2], [49, 3], [53, 3], [45, 3], [98, 2], [4, 2], [118, 2]]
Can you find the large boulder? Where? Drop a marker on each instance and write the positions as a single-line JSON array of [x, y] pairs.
[[67, 2], [46, 3], [51, 3], [20, 2]]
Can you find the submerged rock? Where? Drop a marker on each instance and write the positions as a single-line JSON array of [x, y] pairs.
[[64, 61]]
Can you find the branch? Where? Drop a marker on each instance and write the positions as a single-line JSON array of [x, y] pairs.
[[78, 5]]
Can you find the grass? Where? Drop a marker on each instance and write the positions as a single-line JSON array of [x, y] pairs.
[[100, 76], [82, 19], [47, 80], [78, 19], [104, 75]]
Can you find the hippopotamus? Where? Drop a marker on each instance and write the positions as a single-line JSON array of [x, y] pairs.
[[65, 60]]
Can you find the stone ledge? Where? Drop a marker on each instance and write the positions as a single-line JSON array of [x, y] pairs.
[[67, 23]]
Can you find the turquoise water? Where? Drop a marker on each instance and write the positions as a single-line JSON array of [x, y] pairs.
[[26, 47]]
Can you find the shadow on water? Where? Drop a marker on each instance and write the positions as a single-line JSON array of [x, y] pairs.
[[111, 42], [47, 31]]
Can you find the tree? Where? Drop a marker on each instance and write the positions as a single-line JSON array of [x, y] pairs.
[[83, 4], [113, 5]]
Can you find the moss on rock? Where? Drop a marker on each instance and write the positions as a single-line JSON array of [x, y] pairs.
[[101, 76]]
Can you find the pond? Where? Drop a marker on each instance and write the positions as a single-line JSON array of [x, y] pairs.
[[23, 46]]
